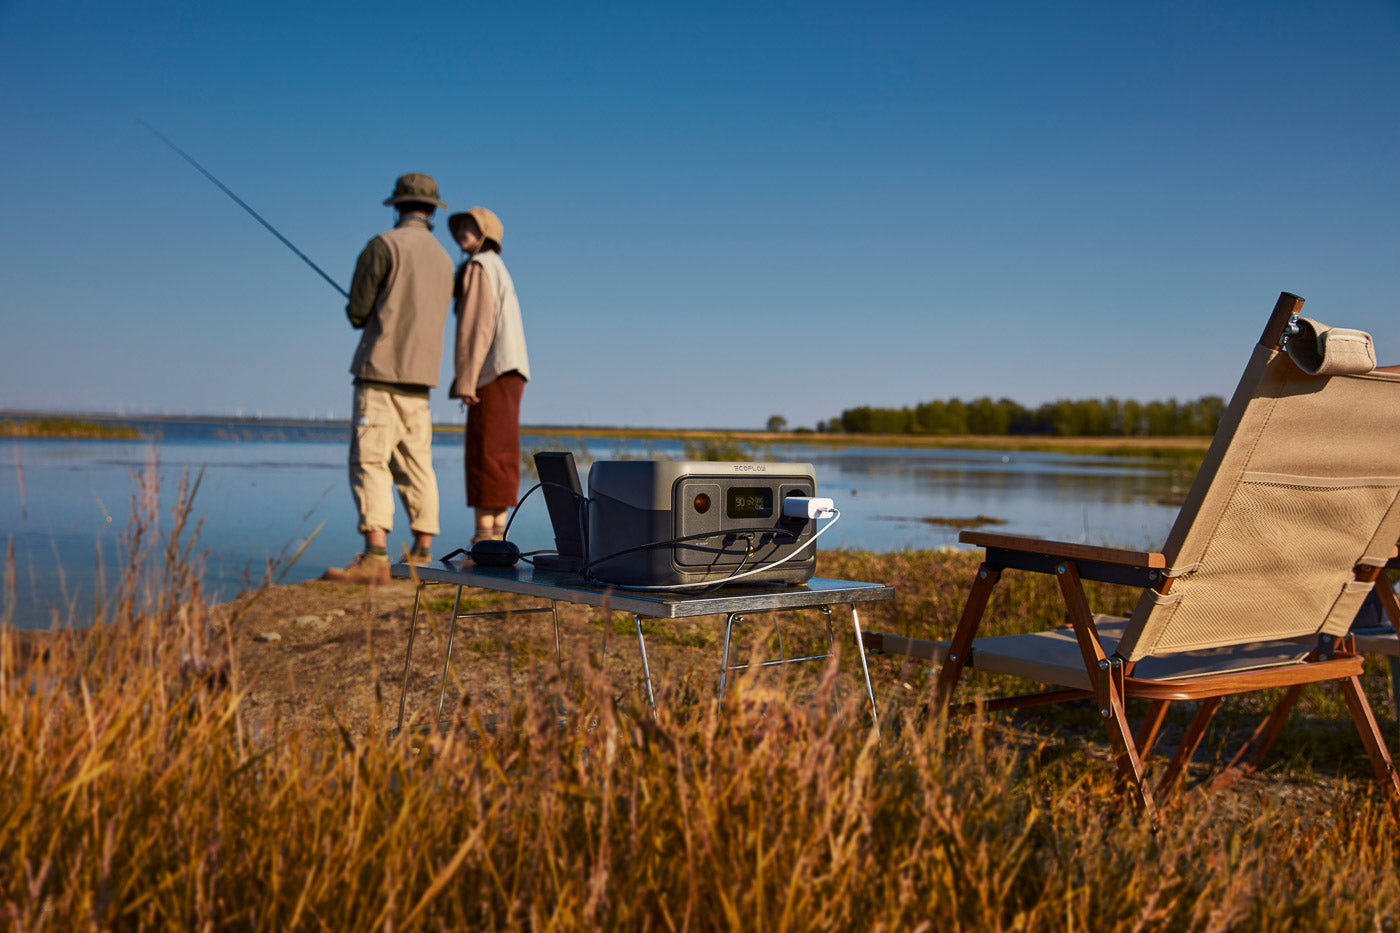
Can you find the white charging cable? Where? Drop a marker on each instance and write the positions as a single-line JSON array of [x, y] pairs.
[[802, 507]]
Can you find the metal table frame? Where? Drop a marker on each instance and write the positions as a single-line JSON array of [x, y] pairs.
[[733, 602]]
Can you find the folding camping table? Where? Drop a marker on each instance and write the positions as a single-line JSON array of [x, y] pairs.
[[732, 601]]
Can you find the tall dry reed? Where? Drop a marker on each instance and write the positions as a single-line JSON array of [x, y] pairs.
[[134, 799]]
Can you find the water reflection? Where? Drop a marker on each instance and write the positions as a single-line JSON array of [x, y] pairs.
[[65, 503]]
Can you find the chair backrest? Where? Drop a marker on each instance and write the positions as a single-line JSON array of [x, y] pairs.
[[1300, 485]]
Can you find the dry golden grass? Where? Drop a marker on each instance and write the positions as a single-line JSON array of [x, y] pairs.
[[136, 799]]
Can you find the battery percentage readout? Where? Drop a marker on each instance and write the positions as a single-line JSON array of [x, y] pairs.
[[749, 502]]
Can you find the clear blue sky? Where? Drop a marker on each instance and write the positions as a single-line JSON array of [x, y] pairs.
[[713, 212]]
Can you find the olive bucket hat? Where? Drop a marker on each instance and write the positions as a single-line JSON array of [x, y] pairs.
[[487, 222], [415, 186]]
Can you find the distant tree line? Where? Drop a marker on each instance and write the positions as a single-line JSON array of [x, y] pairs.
[[1107, 417]]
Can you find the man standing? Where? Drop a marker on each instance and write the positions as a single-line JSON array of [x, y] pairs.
[[399, 298]]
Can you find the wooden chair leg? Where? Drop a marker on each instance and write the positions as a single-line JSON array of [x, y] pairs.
[[1147, 732], [1120, 736], [1261, 741], [1271, 727], [1189, 743], [1108, 688], [1365, 720], [958, 651]]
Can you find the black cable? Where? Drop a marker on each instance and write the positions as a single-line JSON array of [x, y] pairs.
[[747, 535], [671, 542], [505, 533], [539, 485], [743, 562]]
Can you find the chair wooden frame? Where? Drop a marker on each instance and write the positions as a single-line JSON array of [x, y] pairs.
[[1112, 679]]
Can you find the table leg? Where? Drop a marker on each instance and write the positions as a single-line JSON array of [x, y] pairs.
[[724, 656], [865, 670], [408, 652], [451, 637], [646, 668], [451, 634], [725, 667], [554, 616]]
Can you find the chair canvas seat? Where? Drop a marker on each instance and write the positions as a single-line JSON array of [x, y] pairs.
[[1053, 656]]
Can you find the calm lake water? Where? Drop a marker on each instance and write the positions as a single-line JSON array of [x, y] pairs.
[[62, 502]]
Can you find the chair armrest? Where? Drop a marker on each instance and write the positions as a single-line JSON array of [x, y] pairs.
[[1107, 564], [1066, 549]]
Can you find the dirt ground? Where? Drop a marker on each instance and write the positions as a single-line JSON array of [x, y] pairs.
[[329, 654], [325, 653]]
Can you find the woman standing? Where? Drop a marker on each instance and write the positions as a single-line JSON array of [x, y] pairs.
[[491, 369]]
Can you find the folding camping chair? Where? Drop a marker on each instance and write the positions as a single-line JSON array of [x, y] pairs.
[[1295, 510]]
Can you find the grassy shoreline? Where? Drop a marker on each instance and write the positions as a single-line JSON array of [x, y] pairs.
[[31, 424], [66, 428], [192, 767]]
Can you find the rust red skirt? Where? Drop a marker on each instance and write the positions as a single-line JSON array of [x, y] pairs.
[[493, 444]]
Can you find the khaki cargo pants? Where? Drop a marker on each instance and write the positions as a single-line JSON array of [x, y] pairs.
[[391, 448]]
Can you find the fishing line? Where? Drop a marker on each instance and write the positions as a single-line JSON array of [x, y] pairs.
[[240, 202]]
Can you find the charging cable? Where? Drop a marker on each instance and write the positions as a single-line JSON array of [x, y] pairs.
[[801, 506]]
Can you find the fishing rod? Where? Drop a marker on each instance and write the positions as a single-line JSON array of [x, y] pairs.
[[240, 202]]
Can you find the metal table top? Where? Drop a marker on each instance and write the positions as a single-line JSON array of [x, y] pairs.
[[656, 604]]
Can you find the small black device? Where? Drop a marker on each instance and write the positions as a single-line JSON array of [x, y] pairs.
[[491, 553], [564, 497]]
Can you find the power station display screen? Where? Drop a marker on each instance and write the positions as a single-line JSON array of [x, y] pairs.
[[749, 502]]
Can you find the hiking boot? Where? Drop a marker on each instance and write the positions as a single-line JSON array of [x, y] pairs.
[[417, 557], [365, 568]]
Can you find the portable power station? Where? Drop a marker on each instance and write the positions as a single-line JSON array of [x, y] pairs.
[[668, 522]]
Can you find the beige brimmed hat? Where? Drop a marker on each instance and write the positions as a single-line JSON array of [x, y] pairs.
[[487, 222], [415, 186]]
